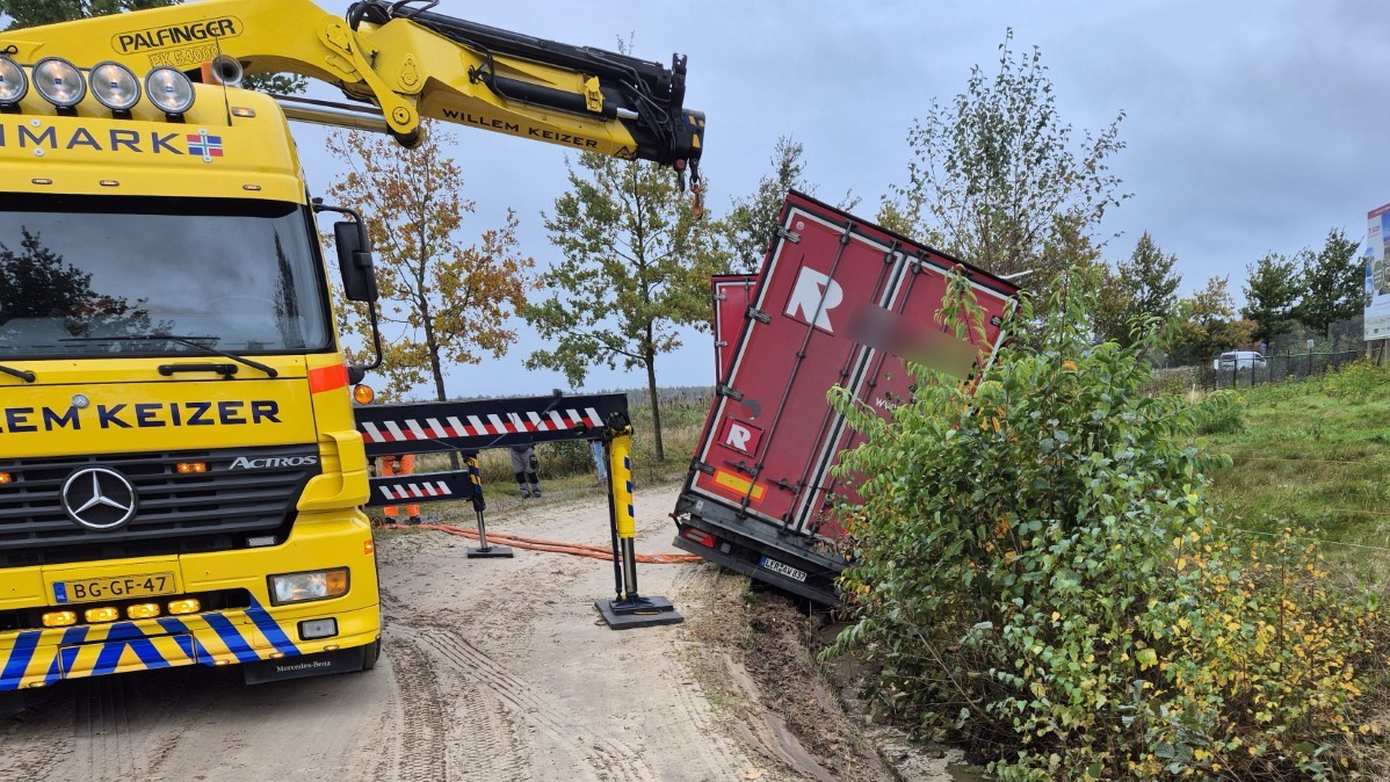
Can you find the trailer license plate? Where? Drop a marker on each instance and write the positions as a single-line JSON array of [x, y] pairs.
[[768, 563], [87, 590]]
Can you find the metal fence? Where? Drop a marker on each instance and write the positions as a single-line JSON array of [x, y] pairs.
[[1245, 372]]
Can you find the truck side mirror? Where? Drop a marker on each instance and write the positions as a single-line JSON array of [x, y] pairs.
[[355, 261]]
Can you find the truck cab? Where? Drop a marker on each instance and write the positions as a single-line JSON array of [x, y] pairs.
[[180, 473]]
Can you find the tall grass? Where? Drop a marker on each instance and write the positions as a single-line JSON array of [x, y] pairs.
[[1313, 454]]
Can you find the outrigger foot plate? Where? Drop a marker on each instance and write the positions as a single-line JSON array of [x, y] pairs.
[[490, 552], [638, 612]]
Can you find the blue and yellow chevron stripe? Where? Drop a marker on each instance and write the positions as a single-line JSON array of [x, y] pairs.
[[44, 657]]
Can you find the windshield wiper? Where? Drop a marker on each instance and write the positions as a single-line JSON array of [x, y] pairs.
[[189, 341], [22, 374]]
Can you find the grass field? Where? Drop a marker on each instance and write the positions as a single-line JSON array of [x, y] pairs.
[[1313, 454]]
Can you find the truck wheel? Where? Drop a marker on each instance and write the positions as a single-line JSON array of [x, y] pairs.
[[370, 653]]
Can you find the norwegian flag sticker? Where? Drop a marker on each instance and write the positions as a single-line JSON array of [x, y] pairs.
[[205, 146]]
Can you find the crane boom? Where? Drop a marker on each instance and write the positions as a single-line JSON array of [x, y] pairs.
[[409, 63]]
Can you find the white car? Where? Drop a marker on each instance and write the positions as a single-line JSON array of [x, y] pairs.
[[1239, 359]]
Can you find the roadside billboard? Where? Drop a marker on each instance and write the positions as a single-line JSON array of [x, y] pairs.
[[1377, 274]]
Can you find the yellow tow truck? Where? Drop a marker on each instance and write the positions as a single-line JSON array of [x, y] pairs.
[[181, 475]]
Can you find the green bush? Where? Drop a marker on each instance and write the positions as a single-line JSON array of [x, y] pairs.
[[1219, 412], [1358, 381], [1037, 574]]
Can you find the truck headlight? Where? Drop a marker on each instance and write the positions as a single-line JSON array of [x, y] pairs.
[[115, 86], [169, 90], [308, 585], [14, 85], [59, 82]]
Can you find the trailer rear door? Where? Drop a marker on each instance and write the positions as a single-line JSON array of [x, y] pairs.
[[886, 381], [772, 436], [732, 295]]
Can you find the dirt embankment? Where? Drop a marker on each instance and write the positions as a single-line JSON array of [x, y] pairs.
[[756, 654]]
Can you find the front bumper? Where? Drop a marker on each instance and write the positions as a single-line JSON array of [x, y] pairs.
[[258, 632]]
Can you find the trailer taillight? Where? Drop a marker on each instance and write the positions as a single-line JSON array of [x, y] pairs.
[[699, 536]]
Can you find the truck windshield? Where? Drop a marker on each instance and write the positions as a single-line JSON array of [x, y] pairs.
[[244, 274]]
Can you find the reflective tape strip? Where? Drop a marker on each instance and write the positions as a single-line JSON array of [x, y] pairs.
[[444, 488], [395, 431], [184, 637], [536, 421], [477, 423], [497, 424], [557, 420], [416, 430], [576, 420], [436, 428], [458, 426], [386, 492], [18, 659], [67, 652], [415, 490], [594, 417], [270, 629], [373, 433], [231, 637]]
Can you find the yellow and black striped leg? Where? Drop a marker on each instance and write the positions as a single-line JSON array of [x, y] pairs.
[[629, 609], [484, 550]]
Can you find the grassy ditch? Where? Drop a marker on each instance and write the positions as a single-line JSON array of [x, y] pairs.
[[1312, 454]]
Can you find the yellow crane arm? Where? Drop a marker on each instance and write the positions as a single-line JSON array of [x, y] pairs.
[[409, 63]]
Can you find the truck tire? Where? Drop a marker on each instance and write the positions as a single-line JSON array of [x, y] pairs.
[[370, 654]]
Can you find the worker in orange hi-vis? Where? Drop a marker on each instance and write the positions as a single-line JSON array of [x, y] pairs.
[[403, 464]]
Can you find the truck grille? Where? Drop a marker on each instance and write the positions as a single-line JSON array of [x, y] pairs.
[[176, 512]]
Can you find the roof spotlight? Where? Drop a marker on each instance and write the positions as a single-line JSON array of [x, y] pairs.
[[114, 86], [170, 90], [59, 82], [14, 85]]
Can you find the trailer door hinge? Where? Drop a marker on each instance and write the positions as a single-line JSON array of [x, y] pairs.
[[698, 466], [785, 485], [791, 236], [729, 391], [759, 315], [750, 470]]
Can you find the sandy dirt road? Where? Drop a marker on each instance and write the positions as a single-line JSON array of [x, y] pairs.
[[492, 670]]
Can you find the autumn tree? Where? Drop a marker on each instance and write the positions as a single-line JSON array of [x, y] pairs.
[[634, 268], [1334, 283], [445, 299], [1208, 324], [1271, 292], [997, 172]]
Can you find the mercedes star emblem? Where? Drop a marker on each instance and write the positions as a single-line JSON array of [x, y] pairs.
[[98, 498]]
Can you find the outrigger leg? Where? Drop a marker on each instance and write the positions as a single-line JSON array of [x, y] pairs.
[[484, 550], [629, 609]]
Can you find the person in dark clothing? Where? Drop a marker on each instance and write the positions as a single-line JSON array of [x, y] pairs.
[[525, 466]]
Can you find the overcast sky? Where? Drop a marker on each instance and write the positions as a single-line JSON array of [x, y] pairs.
[[1250, 126]]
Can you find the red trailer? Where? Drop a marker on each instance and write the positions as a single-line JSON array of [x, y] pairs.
[[732, 295], [837, 300]]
